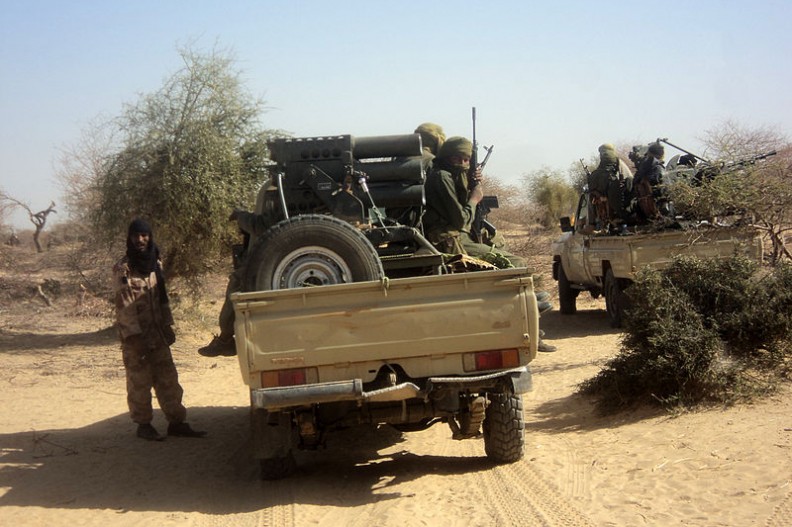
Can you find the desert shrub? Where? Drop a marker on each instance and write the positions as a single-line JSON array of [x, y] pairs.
[[762, 329], [667, 352], [512, 206], [552, 195], [718, 289], [699, 331]]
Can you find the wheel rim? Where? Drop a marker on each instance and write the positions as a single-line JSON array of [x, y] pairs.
[[310, 266]]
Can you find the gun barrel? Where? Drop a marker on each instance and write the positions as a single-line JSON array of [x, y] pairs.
[[666, 141]]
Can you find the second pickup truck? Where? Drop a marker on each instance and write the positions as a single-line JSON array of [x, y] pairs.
[[605, 264]]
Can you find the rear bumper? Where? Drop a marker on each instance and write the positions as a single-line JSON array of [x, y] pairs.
[[519, 380]]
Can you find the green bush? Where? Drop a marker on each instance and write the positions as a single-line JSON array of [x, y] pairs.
[[698, 332]]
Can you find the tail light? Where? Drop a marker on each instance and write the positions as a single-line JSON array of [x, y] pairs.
[[293, 377], [491, 360]]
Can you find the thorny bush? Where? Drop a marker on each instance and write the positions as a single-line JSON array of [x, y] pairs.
[[701, 331]]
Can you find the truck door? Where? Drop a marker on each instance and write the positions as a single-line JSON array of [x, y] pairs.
[[585, 217], [578, 242]]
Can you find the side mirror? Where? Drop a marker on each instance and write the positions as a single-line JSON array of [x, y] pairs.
[[566, 224]]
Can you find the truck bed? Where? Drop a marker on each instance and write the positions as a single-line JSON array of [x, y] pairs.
[[627, 254]]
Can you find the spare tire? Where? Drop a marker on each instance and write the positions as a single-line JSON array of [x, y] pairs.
[[310, 250]]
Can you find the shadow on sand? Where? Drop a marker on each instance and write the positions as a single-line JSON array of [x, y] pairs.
[[14, 342], [104, 466]]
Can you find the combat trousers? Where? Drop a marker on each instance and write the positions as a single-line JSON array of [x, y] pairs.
[[148, 368]]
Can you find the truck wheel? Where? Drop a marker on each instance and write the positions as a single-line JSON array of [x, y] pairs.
[[615, 299], [504, 428], [311, 250], [567, 297], [274, 438], [277, 467]]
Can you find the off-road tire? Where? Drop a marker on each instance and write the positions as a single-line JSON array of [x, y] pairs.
[[277, 467], [310, 250], [504, 428], [567, 297], [615, 299], [274, 439]]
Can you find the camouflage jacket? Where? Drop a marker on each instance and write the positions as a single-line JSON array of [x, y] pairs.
[[138, 307]]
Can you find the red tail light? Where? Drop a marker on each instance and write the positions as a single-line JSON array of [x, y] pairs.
[[492, 360], [294, 377]]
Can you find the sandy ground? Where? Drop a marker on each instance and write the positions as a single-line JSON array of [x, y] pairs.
[[68, 454]]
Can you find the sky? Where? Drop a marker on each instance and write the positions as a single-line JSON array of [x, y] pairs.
[[550, 81]]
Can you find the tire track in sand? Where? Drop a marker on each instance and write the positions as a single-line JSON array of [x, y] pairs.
[[516, 494], [782, 515]]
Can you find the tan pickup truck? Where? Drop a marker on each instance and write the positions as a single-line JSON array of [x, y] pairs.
[[409, 352], [605, 264], [350, 316]]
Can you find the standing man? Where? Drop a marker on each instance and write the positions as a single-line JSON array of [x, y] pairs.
[[144, 322]]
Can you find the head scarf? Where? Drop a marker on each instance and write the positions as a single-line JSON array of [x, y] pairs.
[[608, 154], [455, 146], [146, 261], [432, 136], [657, 150]]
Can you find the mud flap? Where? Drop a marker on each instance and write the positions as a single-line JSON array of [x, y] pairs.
[[522, 382], [273, 434]]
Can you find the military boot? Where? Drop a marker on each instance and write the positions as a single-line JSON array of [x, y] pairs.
[[149, 433], [184, 430], [220, 345]]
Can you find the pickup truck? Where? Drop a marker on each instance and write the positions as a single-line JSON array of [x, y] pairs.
[[347, 315], [585, 259]]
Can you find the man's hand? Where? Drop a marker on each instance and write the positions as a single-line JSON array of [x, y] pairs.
[[476, 195], [234, 215], [479, 175]]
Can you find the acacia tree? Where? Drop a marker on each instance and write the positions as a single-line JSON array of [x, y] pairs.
[[80, 167], [38, 219], [188, 154]]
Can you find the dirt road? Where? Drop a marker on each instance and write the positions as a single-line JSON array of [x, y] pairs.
[[69, 455]]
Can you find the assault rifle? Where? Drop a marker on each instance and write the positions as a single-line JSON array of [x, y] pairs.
[[586, 170], [480, 223]]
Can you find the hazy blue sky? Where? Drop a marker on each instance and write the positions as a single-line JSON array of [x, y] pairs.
[[550, 80]]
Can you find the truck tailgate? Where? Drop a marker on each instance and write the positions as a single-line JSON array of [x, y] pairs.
[[411, 321]]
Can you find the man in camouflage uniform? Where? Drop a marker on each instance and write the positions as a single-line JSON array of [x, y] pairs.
[[144, 322], [451, 208]]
